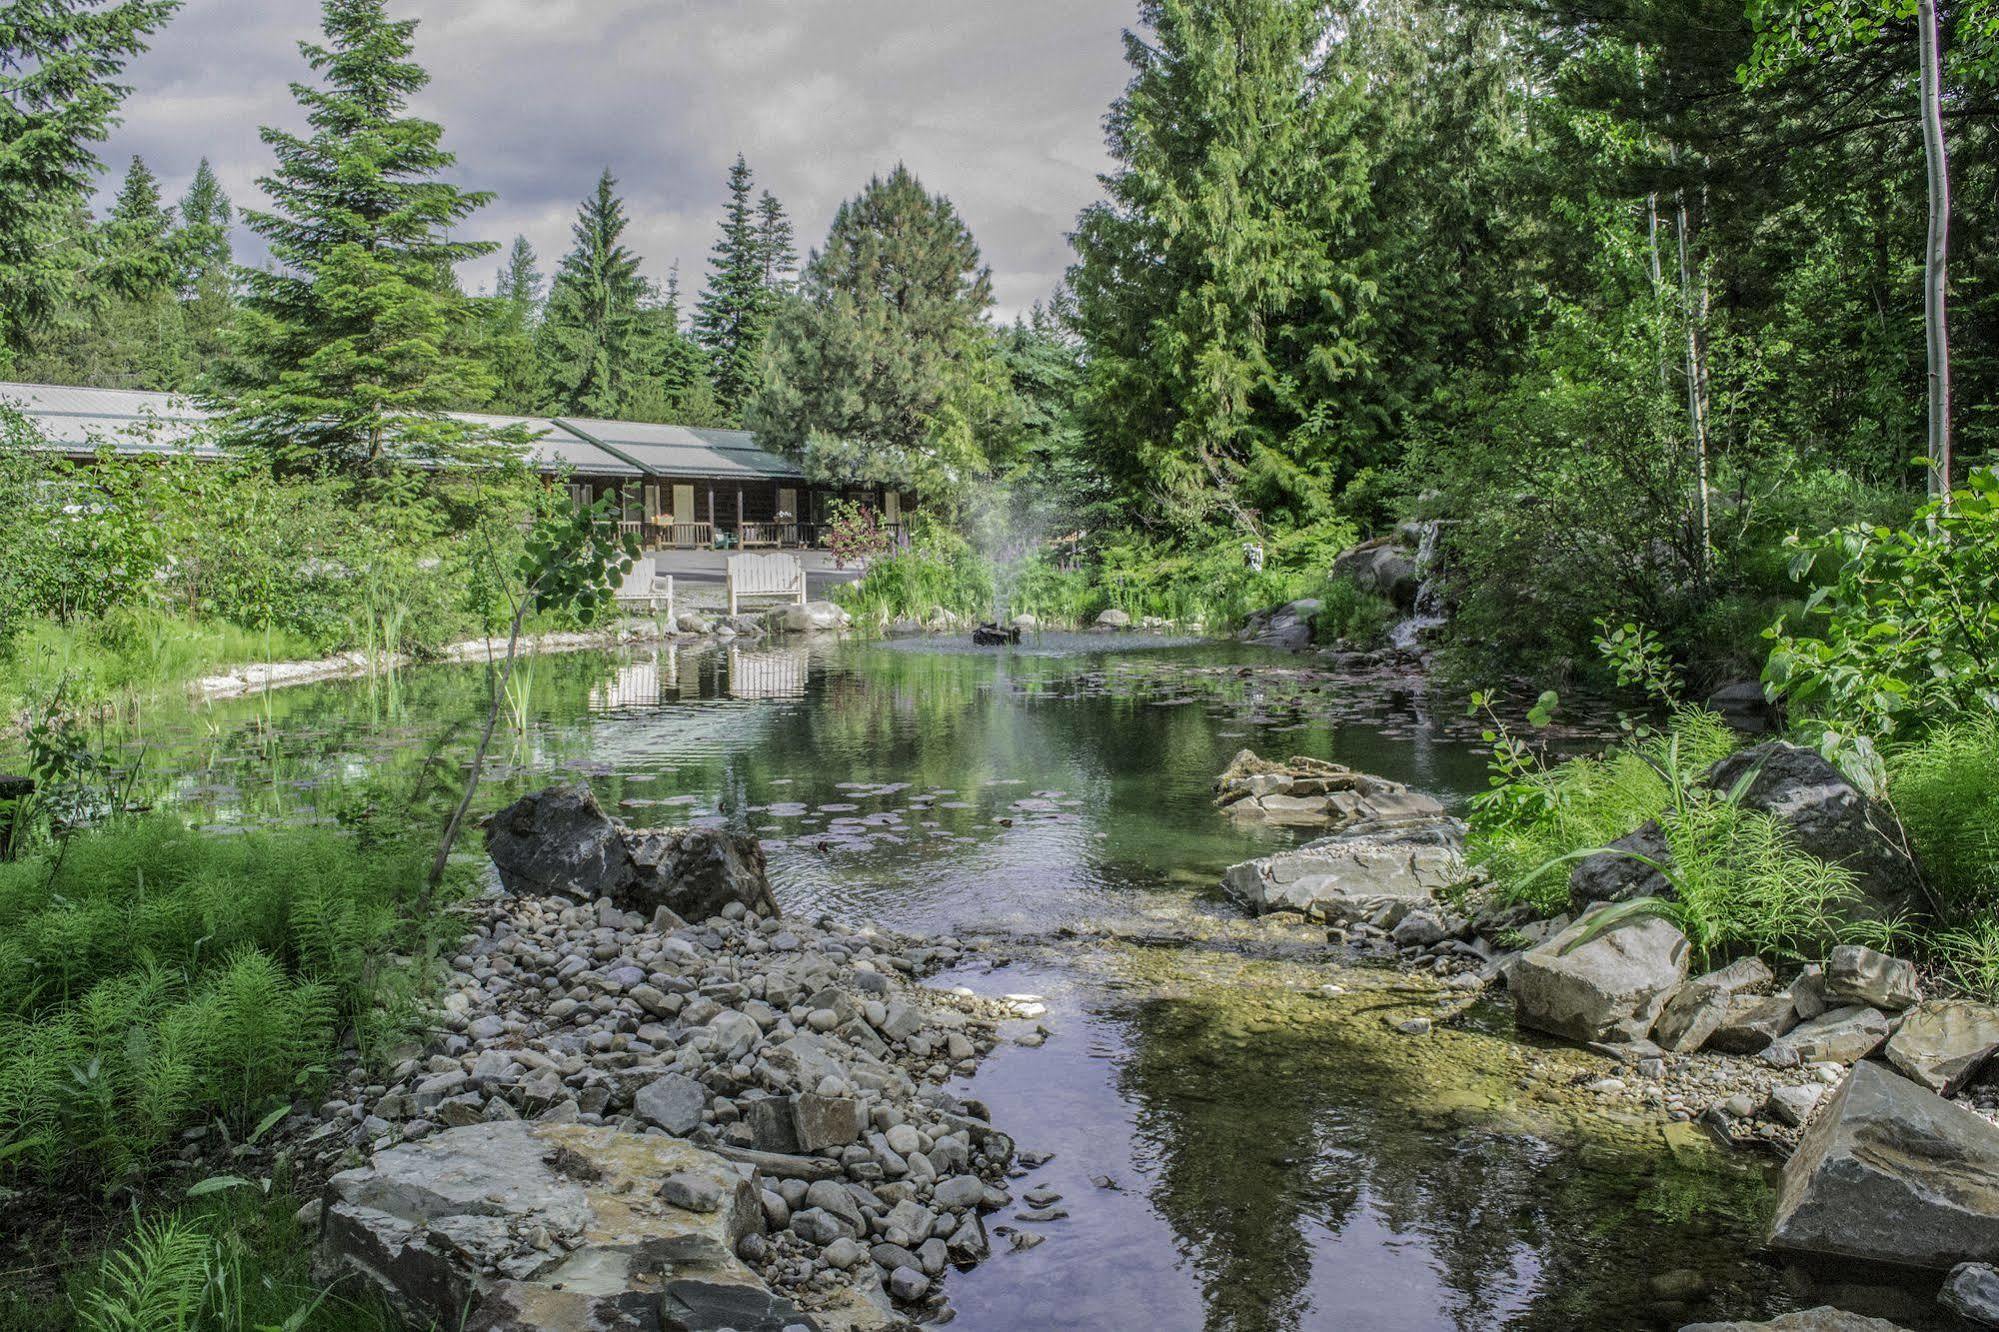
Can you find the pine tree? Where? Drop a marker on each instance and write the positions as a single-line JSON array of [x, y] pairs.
[[598, 346], [882, 368], [62, 59], [204, 257], [349, 342], [733, 314], [139, 263], [510, 317], [776, 247], [1224, 304]]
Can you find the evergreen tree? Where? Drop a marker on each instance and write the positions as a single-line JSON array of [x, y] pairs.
[[204, 257], [733, 313], [599, 346], [687, 394], [139, 262], [62, 59], [350, 341], [510, 317], [1225, 304], [882, 368], [776, 246]]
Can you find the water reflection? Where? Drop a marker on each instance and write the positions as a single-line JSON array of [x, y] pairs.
[[1276, 1164]]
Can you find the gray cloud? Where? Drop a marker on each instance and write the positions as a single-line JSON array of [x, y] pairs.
[[998, 104]]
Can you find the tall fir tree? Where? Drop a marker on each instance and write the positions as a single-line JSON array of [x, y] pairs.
[[733, 314], [599, 347], [350, 342], [882, 368], [1219, 289], [511, 316], [206, 278], [139, 260], [62, 61], [776, 246]]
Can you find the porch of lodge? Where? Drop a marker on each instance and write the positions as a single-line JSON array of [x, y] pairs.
[[713, 514]]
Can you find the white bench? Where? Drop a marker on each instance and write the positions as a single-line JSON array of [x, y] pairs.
[[645, 589], [765, 576]]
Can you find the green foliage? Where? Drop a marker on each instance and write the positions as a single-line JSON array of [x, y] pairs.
[[881, 369], [1535, 816], [1348, 614], [154, 976], [938, 570], [347, 352], [1225, 298], [734, 312], [1944, 787], [598, 344], [1906, 620], [1206, 577], [63, 62]]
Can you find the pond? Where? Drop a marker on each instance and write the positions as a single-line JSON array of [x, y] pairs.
[[1235, 1149]]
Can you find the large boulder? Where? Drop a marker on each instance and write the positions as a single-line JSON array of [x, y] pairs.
[[1856, 974], [1828, 817], [560, 840], [1838, 1035], [1943, 1043], [1356, 874], [1288, 626], [1617, 874], [810, 618], [509, 1226], [1609, 988], [1891, 1172], [1385, 566]]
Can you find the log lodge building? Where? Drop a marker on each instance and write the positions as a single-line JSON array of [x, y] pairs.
[[676, 486]]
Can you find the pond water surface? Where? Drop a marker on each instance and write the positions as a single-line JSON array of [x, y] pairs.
[[1234, 1149]]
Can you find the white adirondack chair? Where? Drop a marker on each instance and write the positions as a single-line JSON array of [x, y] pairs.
[[765, 576], [644, 588]]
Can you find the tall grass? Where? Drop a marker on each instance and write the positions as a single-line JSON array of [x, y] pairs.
[[1945, 788], [152, 977], [131, 653]]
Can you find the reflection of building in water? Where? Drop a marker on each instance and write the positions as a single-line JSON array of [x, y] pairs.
[[767, 672], [641, 684]]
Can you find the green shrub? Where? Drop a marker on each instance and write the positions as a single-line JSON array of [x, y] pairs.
[[1945, 788], [937, 570], [1349, 614]]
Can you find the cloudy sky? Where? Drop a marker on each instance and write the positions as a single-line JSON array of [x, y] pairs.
[[997, 103]]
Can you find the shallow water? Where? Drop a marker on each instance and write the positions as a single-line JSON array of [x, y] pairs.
[[1277, 1160]]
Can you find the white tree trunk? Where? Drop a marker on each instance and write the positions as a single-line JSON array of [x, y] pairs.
[[1694, 315], [1936, 257]]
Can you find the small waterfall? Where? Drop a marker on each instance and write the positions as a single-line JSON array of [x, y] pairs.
[[1428, 612]]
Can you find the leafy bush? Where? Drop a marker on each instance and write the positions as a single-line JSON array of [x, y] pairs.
[[1350, 614], [937, 570], [1910, 619], [1207, 578], [1945, 788]]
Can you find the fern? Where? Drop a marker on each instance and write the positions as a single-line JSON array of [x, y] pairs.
[[155, 1283]]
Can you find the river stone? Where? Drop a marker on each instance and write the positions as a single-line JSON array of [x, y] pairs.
[[1841, 1036], [1288, 626], [674, 1103], [1354, 874], [1891, 1172], [1114, 619], [1858, 975], [1611, 875], [1692, 1014], [714, 1306], [1972, 1293], [1827, 817], [1612, 986], [1384, 566], [1825, 1318], [1750, 1022], [443, 1227], [825, 1121], [1942, 1043], [695, 872]]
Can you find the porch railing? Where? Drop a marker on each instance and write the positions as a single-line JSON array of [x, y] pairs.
[[682, 535]]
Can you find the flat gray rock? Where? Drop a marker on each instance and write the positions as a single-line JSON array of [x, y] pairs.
[[1943, 1043], [1611, 987]]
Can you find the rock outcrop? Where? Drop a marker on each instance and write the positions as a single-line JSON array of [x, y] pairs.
[[1308, 793], [561, 841], [811, 618], [1385, 566], [1611, 987], [1369, 872], [1824, 1318], [1944, 1043], [1288, 626], [520, 1226], [1891, 1172]]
